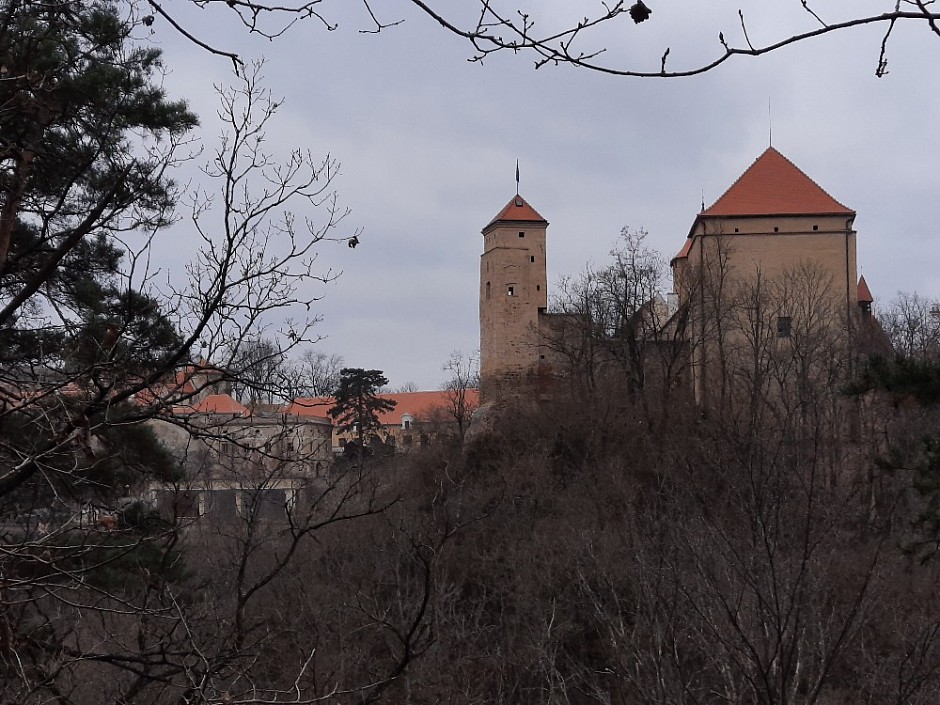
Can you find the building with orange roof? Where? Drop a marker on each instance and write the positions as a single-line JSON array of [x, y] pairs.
[[418, 419], [775, 252], [513, 297], [187, 385], [231, 455]]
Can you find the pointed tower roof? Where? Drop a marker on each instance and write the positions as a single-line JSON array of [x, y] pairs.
[[516, 211], [773, 185], [864, 293]]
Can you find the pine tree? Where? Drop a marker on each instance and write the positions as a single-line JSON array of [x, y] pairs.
[[358, 403], [86, 138]]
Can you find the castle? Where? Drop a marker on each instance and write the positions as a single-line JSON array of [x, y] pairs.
[[773, 258]]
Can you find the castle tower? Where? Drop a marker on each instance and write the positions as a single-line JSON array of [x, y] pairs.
[[513, 293], [771, 223]]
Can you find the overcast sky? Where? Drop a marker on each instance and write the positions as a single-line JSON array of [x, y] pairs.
[[428, 144]]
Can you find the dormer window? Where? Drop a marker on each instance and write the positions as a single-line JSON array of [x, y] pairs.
[[406, 420]]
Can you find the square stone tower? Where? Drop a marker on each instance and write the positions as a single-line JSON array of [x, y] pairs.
[[777, 229], [513, 294]]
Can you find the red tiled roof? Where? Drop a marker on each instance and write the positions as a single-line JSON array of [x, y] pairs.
[[864, 293], [773, 185], [311, 407], [417, 404], [517, 210], [684, 252], [218, 404]]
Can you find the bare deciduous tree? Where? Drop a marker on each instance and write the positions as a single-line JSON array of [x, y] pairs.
[[913, 324], [581, 37], [464, 379], [318, 373], [98, 592]]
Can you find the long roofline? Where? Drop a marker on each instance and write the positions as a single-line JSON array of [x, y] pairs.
[[774, 186]]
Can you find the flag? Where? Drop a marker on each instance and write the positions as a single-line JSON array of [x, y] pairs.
[[517, 176]]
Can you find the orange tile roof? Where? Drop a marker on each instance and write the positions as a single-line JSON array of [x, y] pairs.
[[517, 211], [773, 185], [316, 407], [219, 404], [864, 293], [684, 252], [417, 404]]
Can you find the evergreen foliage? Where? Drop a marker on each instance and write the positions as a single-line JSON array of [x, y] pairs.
[[86, 136], [904, 378], [357, 402]]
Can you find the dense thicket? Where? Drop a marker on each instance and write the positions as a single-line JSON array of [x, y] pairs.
[[575, 555]]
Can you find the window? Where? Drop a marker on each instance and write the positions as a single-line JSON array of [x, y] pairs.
[[521, 234], [511, 291], [532, 258], [538, 287], [487, 290], [783, 327], [776, 229]]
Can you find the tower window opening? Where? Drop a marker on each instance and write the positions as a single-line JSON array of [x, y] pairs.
[[783, 327], [776, 229], [736, 230], [511, 291], [487, 290], [521, 234], [532, 258], [538, 287], [815, 227]]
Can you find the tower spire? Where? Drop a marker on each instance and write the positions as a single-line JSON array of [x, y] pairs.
[[770, 124], [517, 177]]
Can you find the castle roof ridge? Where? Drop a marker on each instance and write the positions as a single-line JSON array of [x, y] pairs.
[[774, 185]]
